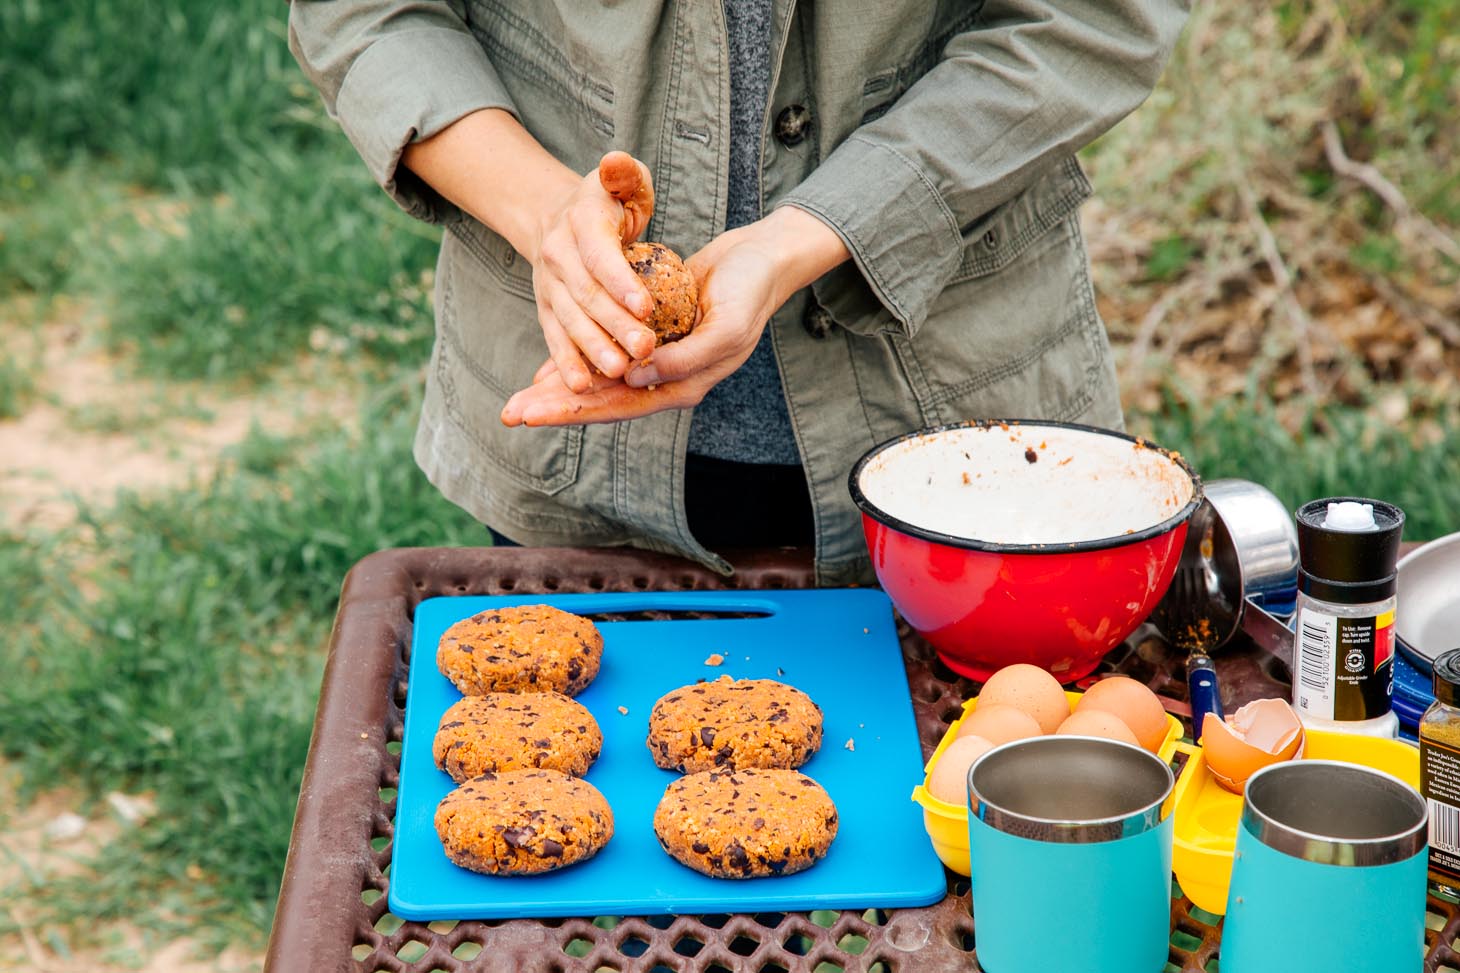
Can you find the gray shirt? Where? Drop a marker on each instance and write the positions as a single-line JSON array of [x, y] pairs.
[[744, 417]]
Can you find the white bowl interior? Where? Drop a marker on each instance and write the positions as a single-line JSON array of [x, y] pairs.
[[1025, 484]]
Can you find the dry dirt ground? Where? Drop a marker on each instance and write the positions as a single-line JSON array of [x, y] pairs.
[[87, 431], [47, 840]]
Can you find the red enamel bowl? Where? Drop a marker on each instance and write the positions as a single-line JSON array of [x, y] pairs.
[[1023, 541]]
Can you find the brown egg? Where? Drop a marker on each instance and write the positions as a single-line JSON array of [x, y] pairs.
[[1137, 707], [999, 723], [1031, 689], [949, 778], [1098, 723], [1263, 732]]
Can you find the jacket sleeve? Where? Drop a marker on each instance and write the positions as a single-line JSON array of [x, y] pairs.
[[393, 72], [1032, 81]]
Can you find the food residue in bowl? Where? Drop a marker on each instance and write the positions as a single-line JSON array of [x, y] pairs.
[[1038, 485]]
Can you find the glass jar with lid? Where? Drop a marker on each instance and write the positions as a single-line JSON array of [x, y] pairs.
[[1439, 773]]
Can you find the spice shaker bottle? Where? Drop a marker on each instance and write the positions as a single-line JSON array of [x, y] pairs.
[[1439, 772], [1344, 624]]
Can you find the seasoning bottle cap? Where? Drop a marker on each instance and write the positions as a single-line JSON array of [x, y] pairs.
[[1347, 549], [1350, 515], [1447, 677]]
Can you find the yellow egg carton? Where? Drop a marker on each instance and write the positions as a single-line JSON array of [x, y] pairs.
[[947, 824], [1208, 815]]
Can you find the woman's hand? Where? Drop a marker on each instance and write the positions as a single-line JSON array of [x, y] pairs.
[[589, 300], [744, 276], [570, 227]]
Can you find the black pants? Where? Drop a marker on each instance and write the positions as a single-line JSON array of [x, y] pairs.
[[732, 505], [737, 505]]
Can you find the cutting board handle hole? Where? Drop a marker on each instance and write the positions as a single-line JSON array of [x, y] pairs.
[[662, 615]]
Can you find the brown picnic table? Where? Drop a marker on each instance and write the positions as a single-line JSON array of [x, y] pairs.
[[332, 912]]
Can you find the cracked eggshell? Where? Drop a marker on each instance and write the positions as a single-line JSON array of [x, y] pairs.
[[1263, 732]]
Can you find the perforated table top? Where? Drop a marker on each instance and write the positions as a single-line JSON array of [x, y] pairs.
[[332, 912]]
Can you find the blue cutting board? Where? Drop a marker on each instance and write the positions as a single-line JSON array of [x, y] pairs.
[[838, 646]]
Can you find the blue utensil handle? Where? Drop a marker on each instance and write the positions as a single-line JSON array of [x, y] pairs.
[[1206, 696]]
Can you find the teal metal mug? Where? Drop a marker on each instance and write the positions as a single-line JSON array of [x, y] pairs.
[[1329, 872], [1067, 837]]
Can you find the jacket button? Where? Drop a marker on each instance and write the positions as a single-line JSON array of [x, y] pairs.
[[793, 124], [817, 321]]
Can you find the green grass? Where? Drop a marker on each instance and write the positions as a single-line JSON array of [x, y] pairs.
[[298, 251], [17, 387], [25, 559], [168, 93], [172, 160], [1335, 451], [22, 356], [46, 217], [1404, 78], [1170, 256], [193, 669], [294, 252]]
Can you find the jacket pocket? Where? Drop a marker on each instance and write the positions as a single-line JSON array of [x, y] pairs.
[[1017, 340], [488, 345], [882, 89], [1001, 237], [509, 269], [527, 46]]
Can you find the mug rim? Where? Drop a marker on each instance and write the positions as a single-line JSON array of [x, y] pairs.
[[1139, 820], [1400, 845]]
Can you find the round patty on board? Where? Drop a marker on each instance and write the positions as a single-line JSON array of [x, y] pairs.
[[729, 725], [746, 823], [516, 731], [527, 648], [523, 822]]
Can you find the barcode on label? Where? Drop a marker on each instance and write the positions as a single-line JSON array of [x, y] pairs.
[[1444, 827], [1313, 668], [1316, 635]]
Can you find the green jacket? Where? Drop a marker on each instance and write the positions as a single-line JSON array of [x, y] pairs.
[[936, 138]]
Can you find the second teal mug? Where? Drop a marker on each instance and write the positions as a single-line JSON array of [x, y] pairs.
[[1067, 833], [1329, 873]]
